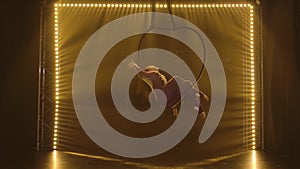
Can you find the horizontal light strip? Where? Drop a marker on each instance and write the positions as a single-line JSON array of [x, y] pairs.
[[111, 5]]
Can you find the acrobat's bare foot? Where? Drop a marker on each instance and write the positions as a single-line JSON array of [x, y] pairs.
[[202, 115]]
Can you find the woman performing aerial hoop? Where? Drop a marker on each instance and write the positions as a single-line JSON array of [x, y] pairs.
[[157, 80]]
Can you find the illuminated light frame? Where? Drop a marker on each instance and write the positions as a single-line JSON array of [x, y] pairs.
[[251, 52], [252, 79], [57, 84]]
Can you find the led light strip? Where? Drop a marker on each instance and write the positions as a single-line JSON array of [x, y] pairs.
[[108, 5], [56, 50], [252, 59], [252, 78]]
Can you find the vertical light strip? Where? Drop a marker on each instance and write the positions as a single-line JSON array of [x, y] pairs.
[[56, 55], [252, 79]]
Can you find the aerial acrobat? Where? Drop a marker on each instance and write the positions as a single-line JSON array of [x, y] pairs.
[[156, 80]]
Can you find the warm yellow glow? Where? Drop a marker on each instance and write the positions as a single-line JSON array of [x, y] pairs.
[[253, 158]]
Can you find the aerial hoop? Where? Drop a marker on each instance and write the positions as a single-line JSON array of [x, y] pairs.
[[173, 28]]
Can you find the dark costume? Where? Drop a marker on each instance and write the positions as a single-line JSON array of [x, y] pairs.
[[156, 80]]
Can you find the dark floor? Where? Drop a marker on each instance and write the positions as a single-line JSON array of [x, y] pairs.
[[68, 160]]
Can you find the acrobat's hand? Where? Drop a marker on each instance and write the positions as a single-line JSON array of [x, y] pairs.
[[205, 97], [133, 65], [175, 112]]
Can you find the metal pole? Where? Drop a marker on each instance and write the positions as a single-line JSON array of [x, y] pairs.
[[262, 78], [39, 81]]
